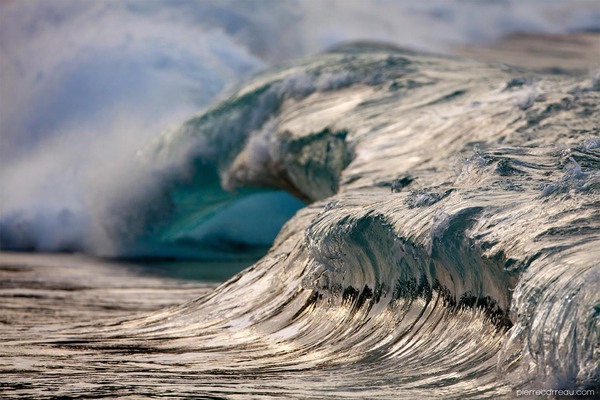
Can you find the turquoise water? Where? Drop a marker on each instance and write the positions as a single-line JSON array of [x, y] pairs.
[[214, 271]]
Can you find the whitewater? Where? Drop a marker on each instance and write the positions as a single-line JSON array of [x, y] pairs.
[[444, 241]]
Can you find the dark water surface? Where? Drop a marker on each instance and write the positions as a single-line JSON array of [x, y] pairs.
[[212, 271]]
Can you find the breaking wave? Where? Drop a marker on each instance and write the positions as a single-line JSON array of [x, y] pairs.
[[449, 245]]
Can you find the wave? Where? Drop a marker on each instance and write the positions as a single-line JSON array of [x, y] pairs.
[[449, 222], [449, 246]]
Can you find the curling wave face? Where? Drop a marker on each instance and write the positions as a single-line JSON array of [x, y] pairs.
[[450, 246]]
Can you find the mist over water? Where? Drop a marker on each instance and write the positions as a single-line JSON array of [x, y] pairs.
[[85, 85]]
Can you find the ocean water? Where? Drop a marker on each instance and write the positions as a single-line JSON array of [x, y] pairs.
[[449, 246], [418, 225]]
